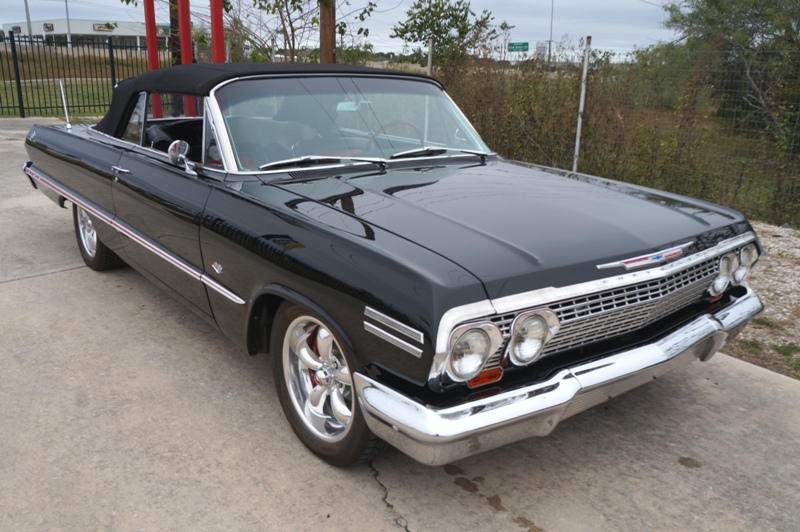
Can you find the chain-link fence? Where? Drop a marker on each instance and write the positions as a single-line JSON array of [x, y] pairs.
[[718, 126]]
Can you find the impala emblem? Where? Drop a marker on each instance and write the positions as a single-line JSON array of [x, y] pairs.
[[646, 260], [217, 267]]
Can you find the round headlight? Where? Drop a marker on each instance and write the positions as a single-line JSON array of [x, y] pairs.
[[530, 332], [727, 265], [748, 256], [528, 341], [469, 353]]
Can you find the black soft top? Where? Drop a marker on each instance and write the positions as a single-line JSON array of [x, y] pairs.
[[199, 78]]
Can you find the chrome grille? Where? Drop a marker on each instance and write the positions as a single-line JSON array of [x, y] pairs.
[[594, 317]]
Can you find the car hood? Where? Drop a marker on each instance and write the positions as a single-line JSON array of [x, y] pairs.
[[519, 227]]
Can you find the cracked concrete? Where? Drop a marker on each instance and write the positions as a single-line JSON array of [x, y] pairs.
[[121, 410], [398, 519]]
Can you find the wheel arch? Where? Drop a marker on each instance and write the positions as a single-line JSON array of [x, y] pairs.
[[262, 315]]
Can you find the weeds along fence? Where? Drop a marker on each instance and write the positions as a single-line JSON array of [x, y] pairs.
[[710, 125], [721, 126], [30, 72]]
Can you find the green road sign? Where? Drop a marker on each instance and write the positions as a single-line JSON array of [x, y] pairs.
[[517, 47]]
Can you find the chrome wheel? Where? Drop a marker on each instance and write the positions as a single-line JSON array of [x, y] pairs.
[[318, 379], [87, 233]]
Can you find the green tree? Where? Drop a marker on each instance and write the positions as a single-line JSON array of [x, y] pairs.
[[759, 45], [455, 29]]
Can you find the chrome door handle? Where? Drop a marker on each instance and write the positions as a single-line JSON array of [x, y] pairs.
[[120, 170]]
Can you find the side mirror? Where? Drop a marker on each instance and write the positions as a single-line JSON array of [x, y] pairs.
[[177, 152]]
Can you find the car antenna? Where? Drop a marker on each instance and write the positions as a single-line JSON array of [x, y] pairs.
[[64, 102]]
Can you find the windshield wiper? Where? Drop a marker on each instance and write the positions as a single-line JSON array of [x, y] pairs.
[[431, 151], [306, 160], [311, 160]]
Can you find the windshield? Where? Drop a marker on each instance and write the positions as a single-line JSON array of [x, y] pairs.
[[276, 119]]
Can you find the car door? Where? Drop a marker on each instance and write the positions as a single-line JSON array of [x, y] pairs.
[[159, 206]]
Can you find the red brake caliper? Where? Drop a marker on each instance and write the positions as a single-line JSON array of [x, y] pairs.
[[313, 374]]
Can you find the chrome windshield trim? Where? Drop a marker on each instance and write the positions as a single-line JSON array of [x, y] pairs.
[[393, 324], [225, 146], [155, 248], [543, 296]]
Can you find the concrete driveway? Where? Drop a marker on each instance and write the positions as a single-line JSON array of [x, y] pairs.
[[121, 410]]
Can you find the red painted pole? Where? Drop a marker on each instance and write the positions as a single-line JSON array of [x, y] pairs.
[[217, 33], [185, 31], [152, 49]]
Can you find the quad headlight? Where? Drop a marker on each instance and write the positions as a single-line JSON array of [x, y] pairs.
[[530, 332], [748, 256], [728, 264], [470, 348]]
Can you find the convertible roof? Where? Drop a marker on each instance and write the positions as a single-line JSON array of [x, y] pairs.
[[199, 78]]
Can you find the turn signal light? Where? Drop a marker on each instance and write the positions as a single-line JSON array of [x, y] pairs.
[[485, 377]]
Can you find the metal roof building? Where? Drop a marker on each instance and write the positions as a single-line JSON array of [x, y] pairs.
[[59, 31]]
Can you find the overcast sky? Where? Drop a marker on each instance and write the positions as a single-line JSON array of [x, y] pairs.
[[613, 24]]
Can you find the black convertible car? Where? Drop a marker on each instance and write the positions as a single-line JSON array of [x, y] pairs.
[[411, 286]]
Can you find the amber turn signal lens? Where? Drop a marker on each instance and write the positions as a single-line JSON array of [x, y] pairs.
[[485, 377]]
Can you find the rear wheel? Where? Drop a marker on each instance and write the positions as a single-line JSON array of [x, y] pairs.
[[95, 254], [313, 377]]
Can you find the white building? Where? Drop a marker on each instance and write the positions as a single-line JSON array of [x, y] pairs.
[[57, 31]]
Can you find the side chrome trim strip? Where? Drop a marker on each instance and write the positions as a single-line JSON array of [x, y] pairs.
[[543, 296], [395, 341], [393, 324], [134, 235]]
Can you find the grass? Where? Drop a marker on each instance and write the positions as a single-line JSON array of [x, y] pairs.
[[753, 346], [764, 322], [43, 97], [790, 353]]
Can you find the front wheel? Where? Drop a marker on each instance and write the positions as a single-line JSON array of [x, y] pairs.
[[95, 254], [315, 388]]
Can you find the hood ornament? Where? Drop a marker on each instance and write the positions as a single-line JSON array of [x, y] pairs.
[[647, 260]]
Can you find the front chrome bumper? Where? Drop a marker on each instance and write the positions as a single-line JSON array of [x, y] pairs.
[[438, 436]]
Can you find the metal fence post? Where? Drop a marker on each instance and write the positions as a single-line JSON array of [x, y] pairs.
[[582, 103], [15, 61], [111, 61]]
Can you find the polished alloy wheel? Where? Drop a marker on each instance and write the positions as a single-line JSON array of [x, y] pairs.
[[318, 379], [87, 232]]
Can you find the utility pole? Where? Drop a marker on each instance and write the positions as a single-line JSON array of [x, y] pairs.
[[28, 17], [69, 30], [550, 42], [327, 31]]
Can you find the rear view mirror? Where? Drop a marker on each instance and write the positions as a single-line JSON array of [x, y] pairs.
[[360, 106]]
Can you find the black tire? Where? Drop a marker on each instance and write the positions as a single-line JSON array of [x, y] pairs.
[[95, 254], [334, 429]]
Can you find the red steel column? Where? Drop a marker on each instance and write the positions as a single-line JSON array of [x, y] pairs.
[[152, 49], [185, 31], [217, 33]]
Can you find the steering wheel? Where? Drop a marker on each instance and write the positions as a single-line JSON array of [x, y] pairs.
[[382, 130]]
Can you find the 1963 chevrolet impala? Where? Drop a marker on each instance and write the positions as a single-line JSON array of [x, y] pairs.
[[411, 286]]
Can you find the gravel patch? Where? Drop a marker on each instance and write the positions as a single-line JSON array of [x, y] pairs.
[[772, 339]]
